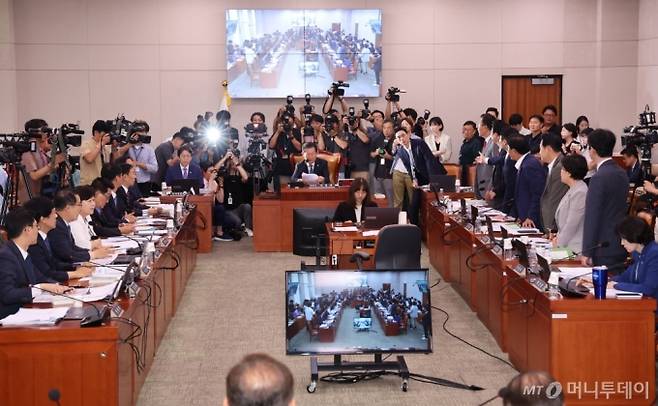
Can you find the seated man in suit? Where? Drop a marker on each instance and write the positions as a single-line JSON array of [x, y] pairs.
[[114, 211], [530, 182], [185, 169], [61, 240], [41, 252], [632, 162], [128, 195], [106, 226], [311, 164], [19, 280]]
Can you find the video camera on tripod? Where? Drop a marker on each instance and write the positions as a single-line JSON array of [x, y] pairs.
[[13, 146], [643, 136]]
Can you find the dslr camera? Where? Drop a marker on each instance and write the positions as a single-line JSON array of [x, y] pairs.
[[122, 129], [422, 120], [308, 108], [289, 108]]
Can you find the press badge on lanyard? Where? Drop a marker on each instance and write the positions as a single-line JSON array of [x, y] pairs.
[[230, 199]]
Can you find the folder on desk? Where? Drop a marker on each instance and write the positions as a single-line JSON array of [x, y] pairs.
[[35, 317]]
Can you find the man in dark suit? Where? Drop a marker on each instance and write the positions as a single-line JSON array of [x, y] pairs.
[[20, 281], [61, 240], [632, 161], [106, 226], [605, 205], [504, 174], [41, 252], [186, 169], [311, 164], [550, 153], [114, 211], [413, 164], [530, 181], [128, 194]]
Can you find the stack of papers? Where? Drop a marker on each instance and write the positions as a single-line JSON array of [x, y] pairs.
[[370, 233], [346, 228], [558, 254], [35, 317], [515, 229], [90, 294]]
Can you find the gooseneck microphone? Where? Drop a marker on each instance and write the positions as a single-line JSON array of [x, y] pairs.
[[604, 244], [90, 320]]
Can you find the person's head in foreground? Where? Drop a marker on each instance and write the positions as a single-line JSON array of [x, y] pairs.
[[259, 380], [532, 389]]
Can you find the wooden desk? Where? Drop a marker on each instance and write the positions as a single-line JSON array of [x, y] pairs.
[[343, 244], [579, 341], [93, 366], [203, 218], [390, 329], [273, 217]]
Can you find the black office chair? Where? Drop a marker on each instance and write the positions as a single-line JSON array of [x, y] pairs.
[[398, 247]]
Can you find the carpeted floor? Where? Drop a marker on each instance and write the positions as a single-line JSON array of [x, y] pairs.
[[234, 305]]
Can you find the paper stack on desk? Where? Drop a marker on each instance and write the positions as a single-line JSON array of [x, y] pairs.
[[345, 228], [35, 317]]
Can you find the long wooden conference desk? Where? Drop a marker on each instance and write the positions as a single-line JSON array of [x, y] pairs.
[[596, 349], [99, 365]]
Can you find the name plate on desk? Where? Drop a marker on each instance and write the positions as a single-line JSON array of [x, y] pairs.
[[559, 316], [469, 227], [497, 250], [519, 269]]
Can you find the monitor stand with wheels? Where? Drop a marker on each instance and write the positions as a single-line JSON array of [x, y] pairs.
[[399, 366]]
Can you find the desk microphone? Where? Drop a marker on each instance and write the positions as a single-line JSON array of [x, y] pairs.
[[88, 321], [54, 396]]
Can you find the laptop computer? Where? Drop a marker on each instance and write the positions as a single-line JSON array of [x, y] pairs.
[[522, 252], [490, 232], [445, 182], [378, 217], [545, 267], [185, 185]]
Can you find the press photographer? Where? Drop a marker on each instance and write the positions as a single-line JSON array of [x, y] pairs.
[[286, 141], [41, 168], [141, 154], [94, 152], [256, 162], [357, 143], [228, 136], [233, 178], [166, 155]]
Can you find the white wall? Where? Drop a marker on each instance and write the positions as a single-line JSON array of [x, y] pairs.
[[647, 72], [163, 60]]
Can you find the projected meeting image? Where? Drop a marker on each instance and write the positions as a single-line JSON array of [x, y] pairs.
[[275, 53], [348, 312]]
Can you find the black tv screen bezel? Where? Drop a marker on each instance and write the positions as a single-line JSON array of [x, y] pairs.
[[430, 343]]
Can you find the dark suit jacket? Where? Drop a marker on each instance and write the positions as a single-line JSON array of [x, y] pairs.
[[193, 172], [345, 212], [605, 207], [14, 282], [554, 191], [504, 182], [424, 162], [129, 201], [320, 168], [104, 227], [113, 211], [63, 246], [635, 174], [47, 263], [530, 181]]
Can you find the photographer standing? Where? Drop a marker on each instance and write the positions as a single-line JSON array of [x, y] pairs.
[[95, 152], [358, 145], [382, 153], [166, 155], [234, 180], [229, 137], [286, 141], [38, 165], [143, 157]]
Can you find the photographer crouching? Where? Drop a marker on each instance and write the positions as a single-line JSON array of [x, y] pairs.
[[233, 178]]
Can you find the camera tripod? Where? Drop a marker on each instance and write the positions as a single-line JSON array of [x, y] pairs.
[[16, 172]]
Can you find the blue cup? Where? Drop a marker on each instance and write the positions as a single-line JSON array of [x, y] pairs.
[[600, 281]]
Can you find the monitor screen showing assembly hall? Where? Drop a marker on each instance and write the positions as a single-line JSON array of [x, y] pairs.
[[356, 312]]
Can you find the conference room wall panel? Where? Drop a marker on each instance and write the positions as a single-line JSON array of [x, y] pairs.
[[449, 54]]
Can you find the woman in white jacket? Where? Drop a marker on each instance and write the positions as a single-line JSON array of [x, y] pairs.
[[438, 141]]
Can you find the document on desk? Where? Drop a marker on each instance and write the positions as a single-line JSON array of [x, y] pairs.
[[106, 260], [152, 232], [35, 317], [572, 272], [558, 254], [310, 178], [515, 229], [370, 233], [345, 229], [125, 244], [90, 294]]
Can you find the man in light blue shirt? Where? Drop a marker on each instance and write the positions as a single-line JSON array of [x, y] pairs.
[[143, 157]]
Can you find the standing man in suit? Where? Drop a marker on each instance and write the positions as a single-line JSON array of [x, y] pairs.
[[41, 252], [605, 206], [469, 150], [311, 164], [550, 153], [530, 181], [503, 180], [20, 281], [483, 172], [413, 163], [186, 169]]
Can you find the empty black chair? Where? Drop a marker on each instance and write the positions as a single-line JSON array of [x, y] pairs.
[[398, 247]]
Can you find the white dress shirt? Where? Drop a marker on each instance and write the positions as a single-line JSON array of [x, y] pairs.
[[518, 163], [551, 165], [80, 232], [602, 162], [357, 211]]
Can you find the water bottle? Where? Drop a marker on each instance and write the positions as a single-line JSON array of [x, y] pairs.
[[458, 184]]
